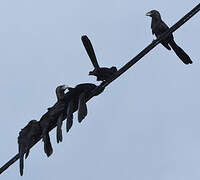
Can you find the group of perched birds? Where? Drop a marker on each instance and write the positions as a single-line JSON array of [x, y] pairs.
[[75, 99], [67, 103]]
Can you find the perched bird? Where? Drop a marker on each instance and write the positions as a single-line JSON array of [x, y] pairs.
[[27, 136], [67, 104], [78, 102], [158, 28], [71, 108], [102, 73], [46, 121], [60, 92]]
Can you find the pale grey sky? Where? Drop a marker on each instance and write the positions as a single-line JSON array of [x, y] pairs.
[[146, 123]]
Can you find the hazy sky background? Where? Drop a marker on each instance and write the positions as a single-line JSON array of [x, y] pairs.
[[146, 124]]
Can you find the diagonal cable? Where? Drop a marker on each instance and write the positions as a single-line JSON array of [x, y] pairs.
[[121, 70]]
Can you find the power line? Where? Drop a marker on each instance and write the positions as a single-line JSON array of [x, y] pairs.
[[183, 20], [122, 70]]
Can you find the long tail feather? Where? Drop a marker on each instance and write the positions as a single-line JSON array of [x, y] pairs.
[[82, 107], [69, 122], [90, 51], [59, 130], [27, 153], [70, 109], [47, 144], [21, 159], [180, 53]]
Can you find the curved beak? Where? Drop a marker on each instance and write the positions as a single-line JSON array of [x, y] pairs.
[[148, 14]]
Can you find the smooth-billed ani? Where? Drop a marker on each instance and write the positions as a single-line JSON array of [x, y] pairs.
[[27, 136], [158, 28], [102, 73]]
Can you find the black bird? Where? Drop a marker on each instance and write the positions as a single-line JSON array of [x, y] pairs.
[[27, 136], [78, 102], [60, 92], [71, 108], [158, 28], [102, 73], [73, 100], [46, 121]]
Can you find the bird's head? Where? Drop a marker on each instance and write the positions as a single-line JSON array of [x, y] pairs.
[[60, 91], [113, 69], [153, 13], [62, 88]]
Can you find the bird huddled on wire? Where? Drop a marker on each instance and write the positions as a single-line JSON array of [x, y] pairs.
[[67, 103], [60, 92], [27, 136], [102, 73], [78, 102], [48, 119], [158, 28]]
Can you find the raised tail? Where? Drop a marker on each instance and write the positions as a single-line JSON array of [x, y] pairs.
[[90, 51], [180, 52]]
